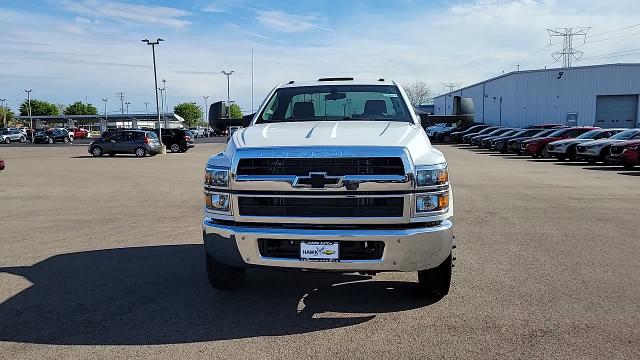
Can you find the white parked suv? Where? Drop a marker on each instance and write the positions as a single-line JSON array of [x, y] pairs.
[[330, 175]]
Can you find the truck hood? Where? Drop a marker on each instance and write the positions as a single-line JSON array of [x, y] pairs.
[[340, 133], [327, 133]]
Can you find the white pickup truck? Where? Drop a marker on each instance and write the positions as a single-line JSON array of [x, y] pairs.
[[330, 175]]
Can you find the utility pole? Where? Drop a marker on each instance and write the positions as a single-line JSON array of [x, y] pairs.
[[165, 110], [162, 102], [568, 53], [228, 73], [251, 80], [105, 114], [146, 107], [155, 76], [4, 112], [127, 103], [206, 108], [121, 95], [451, 86], [33, 132]]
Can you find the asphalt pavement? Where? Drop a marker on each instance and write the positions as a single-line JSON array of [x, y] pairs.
[[102, 258]]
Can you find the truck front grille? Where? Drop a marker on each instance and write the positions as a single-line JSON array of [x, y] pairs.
[[321, 207], [331, 166], [348, 250]]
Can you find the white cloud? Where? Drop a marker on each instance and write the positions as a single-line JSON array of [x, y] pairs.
[[466, 42], [129, 13], [285, 22], [215, 7]]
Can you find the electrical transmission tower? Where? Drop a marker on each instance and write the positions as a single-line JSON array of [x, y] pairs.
[[450, 85], [568, 53]]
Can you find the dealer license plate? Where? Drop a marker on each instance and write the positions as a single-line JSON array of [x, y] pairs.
[[319, 250]]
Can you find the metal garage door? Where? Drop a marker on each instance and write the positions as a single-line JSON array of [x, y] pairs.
[[617, 111]]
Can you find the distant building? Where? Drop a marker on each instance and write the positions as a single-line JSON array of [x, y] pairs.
[[600, 95], [97, 122]]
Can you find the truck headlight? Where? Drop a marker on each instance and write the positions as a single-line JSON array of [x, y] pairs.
[[217, 177], [432, 202], [217, 202], [432, 175]]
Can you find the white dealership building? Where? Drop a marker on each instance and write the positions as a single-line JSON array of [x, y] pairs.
[[601, 95]]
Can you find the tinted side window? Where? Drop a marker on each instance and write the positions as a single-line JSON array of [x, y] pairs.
[[152, 135]]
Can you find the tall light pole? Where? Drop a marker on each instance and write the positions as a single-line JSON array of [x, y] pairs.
[[105, 114], [155, 77], [127, 103], [146, 107], [228, 73], [4, 112], [206, 108], [30, 118]]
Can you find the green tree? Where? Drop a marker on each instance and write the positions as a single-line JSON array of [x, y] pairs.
[[190, 112], [80, 108], [9, 113], [235, 112], [38, 108]]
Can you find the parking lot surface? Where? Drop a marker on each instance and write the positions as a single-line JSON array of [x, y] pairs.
[[102, 258]]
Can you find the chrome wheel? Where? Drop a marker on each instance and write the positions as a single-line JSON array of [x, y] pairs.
[[140, 152], [175, 148], [96, 151]]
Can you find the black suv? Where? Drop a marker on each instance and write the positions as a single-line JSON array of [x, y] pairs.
[[177, 140], [138, 142], [51, 136]]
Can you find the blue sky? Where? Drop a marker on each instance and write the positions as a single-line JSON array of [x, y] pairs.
[[88, 49]]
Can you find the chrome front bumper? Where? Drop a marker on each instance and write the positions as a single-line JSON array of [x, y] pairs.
[[405, 249]]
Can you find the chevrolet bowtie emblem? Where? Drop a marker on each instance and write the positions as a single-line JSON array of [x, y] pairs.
[[318, 180]]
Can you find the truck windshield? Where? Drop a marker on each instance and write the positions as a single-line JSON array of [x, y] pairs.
[[336, 103]]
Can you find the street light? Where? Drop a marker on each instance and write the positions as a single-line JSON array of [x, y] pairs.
[[206, 108], [146, 107], [228, 73], [4, 112], [162, 101], [30, 118], [155, 77], [127, 103]]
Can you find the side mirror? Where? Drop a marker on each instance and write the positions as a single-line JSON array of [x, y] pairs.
[[246, 120]]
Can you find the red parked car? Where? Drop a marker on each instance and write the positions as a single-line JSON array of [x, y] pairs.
[[537, 147], [80, 133], [1, 164], [626, 153]]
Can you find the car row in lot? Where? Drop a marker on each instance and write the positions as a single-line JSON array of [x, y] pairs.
[[140, 142], [577, 143]]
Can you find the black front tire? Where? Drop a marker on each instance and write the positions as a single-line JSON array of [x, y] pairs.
[[97, 151], [223, 277], [437, 281]]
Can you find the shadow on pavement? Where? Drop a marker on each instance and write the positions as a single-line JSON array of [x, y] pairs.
[[160, 295], [630, 173]]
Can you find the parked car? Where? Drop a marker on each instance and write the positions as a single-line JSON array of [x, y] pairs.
[[431, 130], [197, 131], [80, 133], [490, 142], [566, 149], [545, 126], [444, 134], [515, 145], [597, 150], [538, 147], [626, 153], [475, 140], [485, 141], [177, 140], [138, 142], [501, 143], [2, 164], [456, 135], [51, 136], [7, 136], [467, 138]]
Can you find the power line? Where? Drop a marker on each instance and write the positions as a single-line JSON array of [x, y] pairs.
[[614, 54], [614, 30], [610, 38]]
